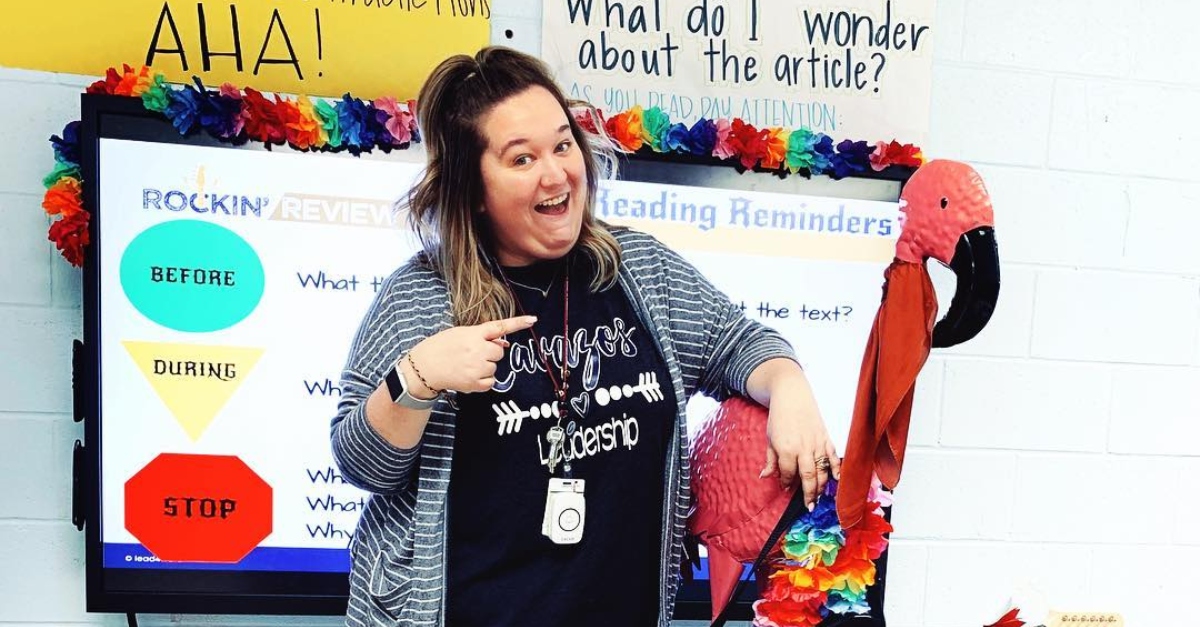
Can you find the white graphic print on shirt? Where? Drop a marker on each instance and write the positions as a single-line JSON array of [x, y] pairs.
[[587, 348], [605, 340]]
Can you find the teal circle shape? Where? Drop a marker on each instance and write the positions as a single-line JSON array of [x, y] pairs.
[[192, 276]]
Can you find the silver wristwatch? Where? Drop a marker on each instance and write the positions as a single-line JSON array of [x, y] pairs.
[[398, 389]]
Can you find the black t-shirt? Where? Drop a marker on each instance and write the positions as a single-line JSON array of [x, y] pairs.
[[501, 569]]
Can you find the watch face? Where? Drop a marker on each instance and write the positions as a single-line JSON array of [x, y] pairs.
[[395, 384], [399, 391]]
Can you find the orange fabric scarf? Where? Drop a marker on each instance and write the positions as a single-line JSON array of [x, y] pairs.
[[900, 340]]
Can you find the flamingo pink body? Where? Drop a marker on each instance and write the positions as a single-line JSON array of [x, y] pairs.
[[734, 510]]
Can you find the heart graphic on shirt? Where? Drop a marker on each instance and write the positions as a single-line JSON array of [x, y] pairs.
[[580, 404]]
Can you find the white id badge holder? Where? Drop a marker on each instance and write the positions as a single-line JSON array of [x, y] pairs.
[[563, 519]]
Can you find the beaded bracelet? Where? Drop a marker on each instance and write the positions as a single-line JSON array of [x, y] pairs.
[[425, 383]]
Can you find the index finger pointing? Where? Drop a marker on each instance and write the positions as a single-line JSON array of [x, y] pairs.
[[497, 329]]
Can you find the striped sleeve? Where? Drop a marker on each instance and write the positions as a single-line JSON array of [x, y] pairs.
[[726, 345], [398, 319]]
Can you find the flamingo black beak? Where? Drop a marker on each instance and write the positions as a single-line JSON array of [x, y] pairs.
[[976, 263]]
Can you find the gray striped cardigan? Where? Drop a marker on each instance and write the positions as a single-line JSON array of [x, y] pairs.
[[398, 550]]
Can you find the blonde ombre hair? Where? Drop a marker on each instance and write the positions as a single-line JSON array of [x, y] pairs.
[[443, 205]]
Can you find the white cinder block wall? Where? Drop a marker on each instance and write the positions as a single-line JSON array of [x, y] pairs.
[[1055, 453]]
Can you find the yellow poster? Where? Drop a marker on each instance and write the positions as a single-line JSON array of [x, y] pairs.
[[369, 48]]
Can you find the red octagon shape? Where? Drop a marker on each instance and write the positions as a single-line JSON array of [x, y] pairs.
[[198, 508]]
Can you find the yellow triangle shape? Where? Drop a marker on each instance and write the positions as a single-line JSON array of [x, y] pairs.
[[193, 381]]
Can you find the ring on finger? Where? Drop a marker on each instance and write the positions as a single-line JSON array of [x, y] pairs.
[[823, 463]]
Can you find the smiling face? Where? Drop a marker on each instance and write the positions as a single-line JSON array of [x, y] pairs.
[[534, 178]]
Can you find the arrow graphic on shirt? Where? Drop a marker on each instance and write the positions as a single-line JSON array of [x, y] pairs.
[[647, 386], [509, 415]]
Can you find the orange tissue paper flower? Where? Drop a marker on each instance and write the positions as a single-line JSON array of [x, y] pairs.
[[133, 82], [776, 148], [127, 82], [815, 578], [626, 128], [64, 198], [302, 129]]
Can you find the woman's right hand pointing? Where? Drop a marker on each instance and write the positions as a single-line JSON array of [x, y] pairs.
[[463, 358]]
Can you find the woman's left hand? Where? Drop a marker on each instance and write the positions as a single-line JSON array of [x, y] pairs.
[[798, 446]]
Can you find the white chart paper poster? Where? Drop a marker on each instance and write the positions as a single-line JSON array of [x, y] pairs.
[[852, 69]]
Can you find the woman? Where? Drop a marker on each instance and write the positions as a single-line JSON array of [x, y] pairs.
[[568, 456]]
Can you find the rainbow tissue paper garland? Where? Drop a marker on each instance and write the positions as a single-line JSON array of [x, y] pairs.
[[820, 569], [357, 126], [230, 114], [768, 149]]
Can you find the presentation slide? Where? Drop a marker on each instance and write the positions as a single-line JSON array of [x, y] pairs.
[[233, 281]]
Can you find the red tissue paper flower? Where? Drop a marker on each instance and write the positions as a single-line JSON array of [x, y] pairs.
[[106, 85], [895, 153], [784, 604], [263, 119], [587, 121], [70, 235], [1009, 619], [747, 143], [129, 82]]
